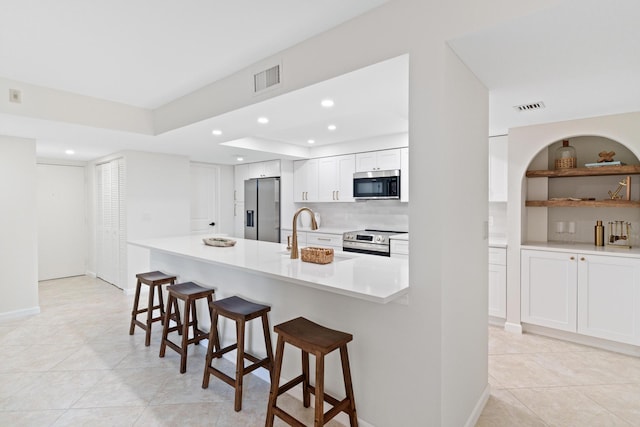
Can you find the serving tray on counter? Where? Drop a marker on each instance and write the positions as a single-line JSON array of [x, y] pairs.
[[218, 241]]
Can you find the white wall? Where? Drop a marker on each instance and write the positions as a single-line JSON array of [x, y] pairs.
[[18, 225], [525, 143]]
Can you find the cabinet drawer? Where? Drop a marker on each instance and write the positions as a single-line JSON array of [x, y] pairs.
[[497, 256], [324, 239], [399, 247]]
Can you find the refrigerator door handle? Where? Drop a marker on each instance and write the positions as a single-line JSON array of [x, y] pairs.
[[249, 218]]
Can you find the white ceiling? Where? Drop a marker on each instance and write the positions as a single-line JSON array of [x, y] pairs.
[[579, 59]]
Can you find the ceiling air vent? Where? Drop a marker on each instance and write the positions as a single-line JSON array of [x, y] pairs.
[[529, 107], [265, 79]]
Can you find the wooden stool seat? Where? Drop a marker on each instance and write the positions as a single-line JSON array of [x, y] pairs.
[[153, 279], [189, 293], [240, 311], [319, 341]]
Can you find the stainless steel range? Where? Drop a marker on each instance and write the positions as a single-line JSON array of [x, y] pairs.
[[374, 242]]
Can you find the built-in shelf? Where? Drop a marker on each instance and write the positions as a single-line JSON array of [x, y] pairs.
[[597, 171], [608, 203]]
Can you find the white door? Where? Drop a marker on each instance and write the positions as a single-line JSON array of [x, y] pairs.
[[204, 198], [62, 229], [110, 222]]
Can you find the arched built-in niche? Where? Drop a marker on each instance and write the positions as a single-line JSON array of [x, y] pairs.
[[574, 222]]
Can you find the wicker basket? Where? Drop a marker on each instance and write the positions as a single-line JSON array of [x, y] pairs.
[[317, 255], [566, 163]]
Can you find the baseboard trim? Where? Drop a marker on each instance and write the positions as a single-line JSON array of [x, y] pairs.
[[11, 315], [513, 327], [477, 410], [91, 274], [618, 347]]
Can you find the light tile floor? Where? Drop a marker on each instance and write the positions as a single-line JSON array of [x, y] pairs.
[[539, 381], [75, 364]]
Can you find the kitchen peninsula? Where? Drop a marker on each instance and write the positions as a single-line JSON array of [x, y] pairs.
[[355, 293]]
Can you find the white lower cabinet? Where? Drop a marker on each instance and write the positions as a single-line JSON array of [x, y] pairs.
[[498, 282], [609, 298], [593, 295], [325, 240], [399, 248], [549, 286]]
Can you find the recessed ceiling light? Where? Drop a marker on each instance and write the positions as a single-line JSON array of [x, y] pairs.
[[311, 141], [70, 152], [216, 132], [240, 158], [331, 127], [263, 120], [327, 103]]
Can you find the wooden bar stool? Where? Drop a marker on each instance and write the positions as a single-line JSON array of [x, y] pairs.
[[189, 293], [319, 341], [240, 311], [153, 279]]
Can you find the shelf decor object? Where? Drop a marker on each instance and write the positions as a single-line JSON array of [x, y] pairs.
[[565, 156], [624, 183]]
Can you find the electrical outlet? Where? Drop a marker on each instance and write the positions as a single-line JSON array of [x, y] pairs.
[[15, 96]]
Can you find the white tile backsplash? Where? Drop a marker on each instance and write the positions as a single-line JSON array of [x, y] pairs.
[[374, 214]]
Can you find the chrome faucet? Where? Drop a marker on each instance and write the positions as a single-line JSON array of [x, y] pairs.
[[294, 238]]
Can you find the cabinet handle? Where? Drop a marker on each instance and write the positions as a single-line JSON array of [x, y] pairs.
[[234, 195], [324, 239], [572, 258], [582, 258], [333, 195], [337, 194]]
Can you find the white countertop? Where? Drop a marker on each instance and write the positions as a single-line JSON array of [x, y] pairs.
[[586, 248], [404, 236], [369, 277]]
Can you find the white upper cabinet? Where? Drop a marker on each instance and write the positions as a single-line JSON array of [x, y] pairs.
[[264, 169], [305, 180], [240, 174], [335, 178], [378, 160], [498, 168]]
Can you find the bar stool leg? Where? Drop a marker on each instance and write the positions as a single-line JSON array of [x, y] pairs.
[[171, 302], [239, 364], [273, 394], [162, 309], [214, 344], [134, 311], [306, 398], [267, 340], [147, 336], [319, 390], [185, 337], [348, 386]]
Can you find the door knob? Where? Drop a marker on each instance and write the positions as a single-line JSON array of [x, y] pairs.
[[212, 224]]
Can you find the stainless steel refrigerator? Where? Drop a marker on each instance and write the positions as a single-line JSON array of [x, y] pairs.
[[262, 209]]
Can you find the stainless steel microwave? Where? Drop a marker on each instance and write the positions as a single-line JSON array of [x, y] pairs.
[[376, 185]]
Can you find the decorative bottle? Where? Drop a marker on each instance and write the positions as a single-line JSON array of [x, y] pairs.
[[599, 234], [565, 156]]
